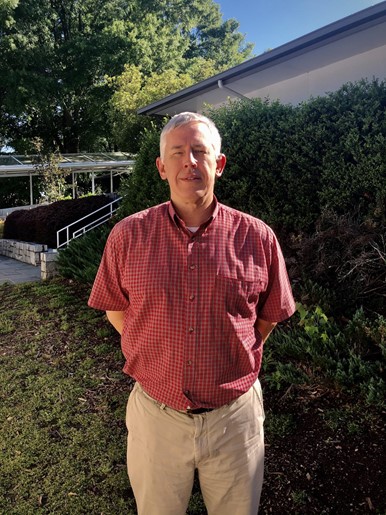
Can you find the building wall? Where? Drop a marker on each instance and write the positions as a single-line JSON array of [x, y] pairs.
[[328, 78]]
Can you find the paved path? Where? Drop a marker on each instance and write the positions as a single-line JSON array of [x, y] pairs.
[[14, 271]]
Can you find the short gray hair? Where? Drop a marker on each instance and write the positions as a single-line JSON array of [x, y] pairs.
[[181, 119]]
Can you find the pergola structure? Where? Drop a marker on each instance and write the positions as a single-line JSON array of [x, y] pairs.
[[114, 163]]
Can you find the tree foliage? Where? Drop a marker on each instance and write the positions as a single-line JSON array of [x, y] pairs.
[[56, 55], [133, 89]]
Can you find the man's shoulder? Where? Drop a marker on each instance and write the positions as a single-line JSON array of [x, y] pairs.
[[146, 216], [234, 216]]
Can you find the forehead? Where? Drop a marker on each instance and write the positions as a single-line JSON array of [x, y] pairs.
[[191, 133]]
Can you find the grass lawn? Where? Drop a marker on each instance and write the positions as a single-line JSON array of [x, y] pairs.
[[62, 405], [63, 437]]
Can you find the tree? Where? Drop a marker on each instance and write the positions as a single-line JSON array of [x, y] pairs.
[[56, 55], [134, 89], [207, 46]]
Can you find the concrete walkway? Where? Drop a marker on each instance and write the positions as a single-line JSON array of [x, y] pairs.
[[15, 272]]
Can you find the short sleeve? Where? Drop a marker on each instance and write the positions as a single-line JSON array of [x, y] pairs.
[[108, 293], [277, 302]]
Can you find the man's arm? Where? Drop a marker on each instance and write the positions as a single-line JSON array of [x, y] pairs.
[[264, 327], [116, 319]]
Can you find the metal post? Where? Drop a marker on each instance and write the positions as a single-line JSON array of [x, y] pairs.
[[111, 182], [73, 184], [31, 194], [92, 183]]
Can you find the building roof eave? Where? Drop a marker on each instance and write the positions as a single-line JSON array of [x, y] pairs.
[[336, 30]]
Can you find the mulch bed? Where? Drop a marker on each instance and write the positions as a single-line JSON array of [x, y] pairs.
[[319, 469]]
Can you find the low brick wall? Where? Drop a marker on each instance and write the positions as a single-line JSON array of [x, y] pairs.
[[32, 253]]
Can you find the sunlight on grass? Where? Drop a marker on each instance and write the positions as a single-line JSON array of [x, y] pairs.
[[63, 436], [62, 405]]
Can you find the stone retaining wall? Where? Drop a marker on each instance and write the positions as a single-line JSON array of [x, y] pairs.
[[48, 265], [32, 253]]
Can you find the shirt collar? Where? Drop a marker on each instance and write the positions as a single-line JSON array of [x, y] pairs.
[[181, 224]]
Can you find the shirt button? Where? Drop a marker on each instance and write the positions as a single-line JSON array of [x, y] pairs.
[[191, 329], [192, 267], [189, 362], [192, 297], [186, 392]]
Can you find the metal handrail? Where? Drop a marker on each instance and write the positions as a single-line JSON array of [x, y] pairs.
[[88, 226]]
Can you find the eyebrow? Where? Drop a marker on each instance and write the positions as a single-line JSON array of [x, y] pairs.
[[195, 146]]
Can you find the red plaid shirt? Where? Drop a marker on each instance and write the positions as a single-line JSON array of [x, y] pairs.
[[191, 301]]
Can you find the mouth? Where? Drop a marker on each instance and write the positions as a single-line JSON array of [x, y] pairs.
[[191, 178]]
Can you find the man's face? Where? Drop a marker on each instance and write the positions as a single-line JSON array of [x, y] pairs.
[[189, 164]]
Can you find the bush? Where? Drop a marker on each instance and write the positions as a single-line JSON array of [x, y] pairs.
[[80, 259], [314, 348], [40, 225], [144, 188], [288, 164]]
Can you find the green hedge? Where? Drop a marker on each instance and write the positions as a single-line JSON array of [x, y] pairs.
[[40, 225], [143, 188], [291, 165], [288, 164]]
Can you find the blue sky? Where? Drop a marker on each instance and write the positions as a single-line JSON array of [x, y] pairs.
[[271, 23]]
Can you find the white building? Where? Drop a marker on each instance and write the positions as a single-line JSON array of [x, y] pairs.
[[348, 50]]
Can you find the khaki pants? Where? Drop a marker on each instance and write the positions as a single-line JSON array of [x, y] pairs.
[[226, 446]]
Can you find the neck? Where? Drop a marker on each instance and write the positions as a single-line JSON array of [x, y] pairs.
[[194, 214]]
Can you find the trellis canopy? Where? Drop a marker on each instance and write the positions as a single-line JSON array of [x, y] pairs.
[[114, 163]]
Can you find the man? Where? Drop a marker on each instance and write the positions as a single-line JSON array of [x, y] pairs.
[[194, 288]]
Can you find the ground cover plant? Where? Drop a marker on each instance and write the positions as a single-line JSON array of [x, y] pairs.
[[63, 398]]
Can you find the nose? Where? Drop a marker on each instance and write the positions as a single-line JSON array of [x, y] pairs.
[[191, 161]]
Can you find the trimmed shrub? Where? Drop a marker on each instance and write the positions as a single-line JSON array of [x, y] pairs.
[[288, 164], [80, 259], [143, 188], [40, 225]]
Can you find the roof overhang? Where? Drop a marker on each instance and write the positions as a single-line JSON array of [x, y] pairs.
[[68, 163], [355, 34]]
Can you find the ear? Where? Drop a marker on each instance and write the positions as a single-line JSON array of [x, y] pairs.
[[220, 165], [161, 168]]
